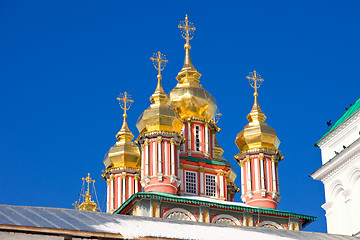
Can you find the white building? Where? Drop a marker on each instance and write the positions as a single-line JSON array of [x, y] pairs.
[[340, 173]]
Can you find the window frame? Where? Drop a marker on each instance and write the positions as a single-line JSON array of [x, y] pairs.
[[206, 184], [196, 182]]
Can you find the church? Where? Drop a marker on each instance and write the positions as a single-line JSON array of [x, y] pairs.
[[171, 181], [179, 172]]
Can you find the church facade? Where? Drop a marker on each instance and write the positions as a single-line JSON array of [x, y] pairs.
[[175, 169], [340, 172]]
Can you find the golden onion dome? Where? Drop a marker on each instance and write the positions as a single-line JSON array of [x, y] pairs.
[[257, 134], [124, 153], [160, 116], [189, 98]]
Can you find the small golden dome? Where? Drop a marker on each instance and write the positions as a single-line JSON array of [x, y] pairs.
[[257, 134], [124, 153], [159, 116]]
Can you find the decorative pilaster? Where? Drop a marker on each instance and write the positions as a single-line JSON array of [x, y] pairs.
[[189, 137], [123, 176], [206, 130], [202, 185]]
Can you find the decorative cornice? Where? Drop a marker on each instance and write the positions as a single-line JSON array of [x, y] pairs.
[[338, 129], [337, 163]]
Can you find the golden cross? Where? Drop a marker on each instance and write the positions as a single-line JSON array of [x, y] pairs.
[[217, 116], [159, 61], [88, 180], [255, 81], [124, 99], [187, 29]]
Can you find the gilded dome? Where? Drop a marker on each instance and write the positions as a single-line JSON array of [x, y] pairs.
[[257, 134], [189, 98], [124, 153], [160, 116]]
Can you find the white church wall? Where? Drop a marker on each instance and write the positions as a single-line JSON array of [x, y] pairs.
[[342, 195]]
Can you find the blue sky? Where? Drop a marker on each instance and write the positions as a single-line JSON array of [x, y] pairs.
[[63, 63]]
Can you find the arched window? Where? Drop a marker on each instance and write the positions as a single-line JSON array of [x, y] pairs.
[[269, 224], [179, 214], [226, 219]]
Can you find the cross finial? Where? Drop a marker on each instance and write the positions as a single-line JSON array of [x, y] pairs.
[[255, 81], [124, 101], [217, 116], [187, 29], [159, 61], [88, 180]]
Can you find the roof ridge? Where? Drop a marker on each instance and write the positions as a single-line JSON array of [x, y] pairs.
[[347, 114]]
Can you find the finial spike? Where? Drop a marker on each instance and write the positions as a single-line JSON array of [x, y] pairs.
[[125, 103], [255, 82], [187, 30], [159, 61]]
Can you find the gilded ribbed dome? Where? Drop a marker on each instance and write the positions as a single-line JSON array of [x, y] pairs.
[[257, 134], [189, 98], [159, 116], [124, 153]]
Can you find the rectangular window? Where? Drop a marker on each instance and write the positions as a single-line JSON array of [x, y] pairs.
[[197, 138], [190, 182], [210, 185]]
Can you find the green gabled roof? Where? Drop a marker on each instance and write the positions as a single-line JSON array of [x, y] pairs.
[[194, 159], [354, 108], [228, 205]]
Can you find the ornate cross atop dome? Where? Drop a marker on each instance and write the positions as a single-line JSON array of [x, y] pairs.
[[187, 29], [125, 102], [159, 62]]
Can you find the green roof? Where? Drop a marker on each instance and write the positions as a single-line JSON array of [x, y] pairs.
[[194, 159], [354, 108], [229, 206]]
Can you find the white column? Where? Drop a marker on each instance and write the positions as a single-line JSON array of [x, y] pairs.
[[172, 158], [136, 187], [221, 184], [256, 169], [159, 154], [147, 169], [242, 178], [130, 182], [268, 176], [108, 196], [206, 138], [143, 161], [213, 144], [262, 175], [112, 194], [273, 173], [189, 137], [123, 187], [154, 157], [201, 171], [248, 167], [119, 190], [182, 179], [166, 158]]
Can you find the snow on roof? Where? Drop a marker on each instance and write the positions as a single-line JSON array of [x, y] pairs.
[[93, 224], [135, 228]]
